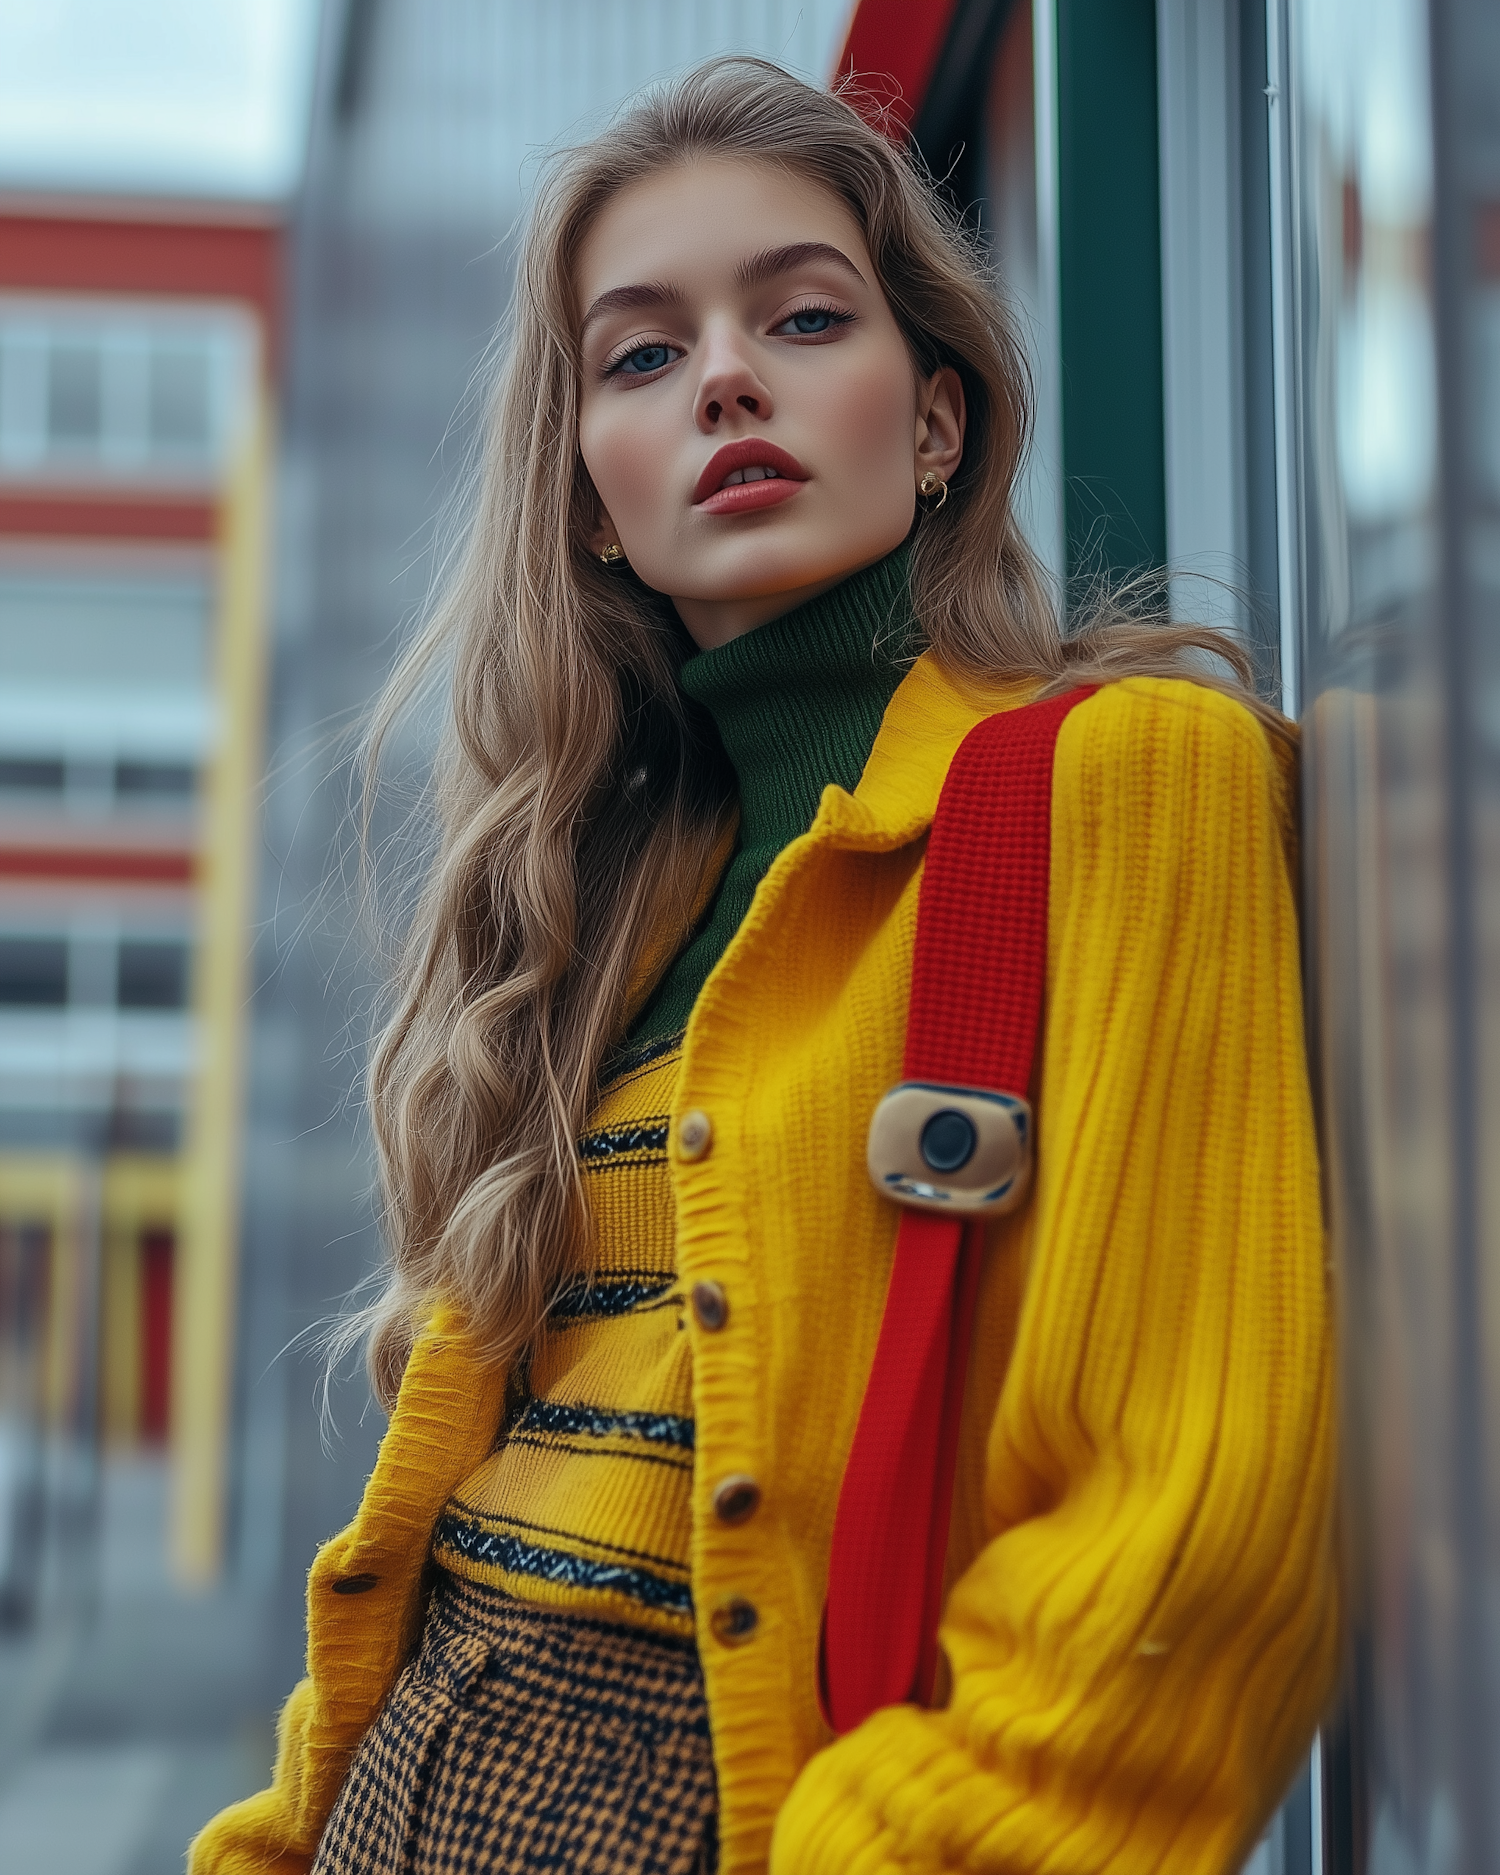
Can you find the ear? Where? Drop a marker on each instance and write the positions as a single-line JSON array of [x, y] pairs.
[[604, 531], [940, 424]]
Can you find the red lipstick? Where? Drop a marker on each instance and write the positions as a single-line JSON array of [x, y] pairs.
[[710, 496]]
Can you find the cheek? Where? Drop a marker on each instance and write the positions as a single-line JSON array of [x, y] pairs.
[[601, 443], [869, 418], [621, 450]]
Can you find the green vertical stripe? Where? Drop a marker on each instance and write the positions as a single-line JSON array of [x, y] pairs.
[[1110, 264]]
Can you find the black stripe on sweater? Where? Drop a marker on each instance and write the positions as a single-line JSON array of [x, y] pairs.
[[597, 1423], [517, 1557], [610, 1293], [610, 1142], [631, 1059]]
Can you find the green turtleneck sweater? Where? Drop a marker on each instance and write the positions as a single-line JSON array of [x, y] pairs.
[[797, 704]]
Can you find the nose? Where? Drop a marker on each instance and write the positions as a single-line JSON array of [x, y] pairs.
[[729, 382]]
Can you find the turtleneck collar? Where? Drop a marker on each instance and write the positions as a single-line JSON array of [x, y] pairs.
[[797, 702]]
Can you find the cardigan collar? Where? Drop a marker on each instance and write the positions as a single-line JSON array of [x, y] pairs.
[[933, 709], [893, 803]]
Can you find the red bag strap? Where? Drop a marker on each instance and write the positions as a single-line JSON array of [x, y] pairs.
[[978, 973]]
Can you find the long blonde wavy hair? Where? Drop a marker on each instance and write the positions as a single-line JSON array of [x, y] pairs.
[[578, 799]]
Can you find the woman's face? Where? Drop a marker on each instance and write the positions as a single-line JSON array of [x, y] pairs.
[[749, 414]]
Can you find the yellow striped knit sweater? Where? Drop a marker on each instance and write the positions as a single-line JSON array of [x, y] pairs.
[[1142, 1619], [586, 1502]]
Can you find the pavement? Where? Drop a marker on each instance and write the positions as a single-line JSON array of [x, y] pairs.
[[119, 1808], [129, 1715]]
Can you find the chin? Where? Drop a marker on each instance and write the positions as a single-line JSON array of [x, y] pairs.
[[759, 568]]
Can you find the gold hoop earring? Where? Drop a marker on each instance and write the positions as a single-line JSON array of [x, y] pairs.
[[613, 555], [933, 484]]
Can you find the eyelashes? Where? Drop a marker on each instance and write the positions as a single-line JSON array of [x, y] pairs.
[[645, 359], [835, 316], [642, 361]]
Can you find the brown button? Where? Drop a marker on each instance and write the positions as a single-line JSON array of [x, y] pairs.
[[695, 1133], [734, 1621], [710, 1306], [736, 1498], [354, 1585]]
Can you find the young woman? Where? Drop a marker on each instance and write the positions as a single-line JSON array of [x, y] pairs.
[[742, 575]]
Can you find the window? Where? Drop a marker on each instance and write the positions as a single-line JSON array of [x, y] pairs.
[[31, 774], [179, 413], [155, 781], [33, 972], [120, 644], [152, 974], [75, 396], [120, 389]]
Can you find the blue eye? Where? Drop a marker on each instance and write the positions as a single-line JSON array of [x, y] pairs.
[[646, 358], [813, 322]]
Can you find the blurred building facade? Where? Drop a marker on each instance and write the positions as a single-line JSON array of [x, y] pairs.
[[136, 359]]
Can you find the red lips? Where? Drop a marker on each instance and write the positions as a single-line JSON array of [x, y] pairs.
[[710, 498]]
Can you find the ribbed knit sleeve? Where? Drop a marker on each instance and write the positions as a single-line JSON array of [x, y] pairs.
[[1142, 1650]]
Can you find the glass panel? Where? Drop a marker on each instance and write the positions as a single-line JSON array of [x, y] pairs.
[[132, 390], [32, 774], [153, 974], [25, 1268], [155, 781], [33, 972], [179, 404], [1018, 195], [121, 633], [1390, 532], [75, 396]]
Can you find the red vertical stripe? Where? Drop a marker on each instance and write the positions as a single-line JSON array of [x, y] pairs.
[[893, 48]]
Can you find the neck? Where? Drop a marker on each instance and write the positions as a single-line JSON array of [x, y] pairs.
[[713, 623], [797, 703]]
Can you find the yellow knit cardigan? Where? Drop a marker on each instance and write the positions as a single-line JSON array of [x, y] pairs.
[[1141, 1622]]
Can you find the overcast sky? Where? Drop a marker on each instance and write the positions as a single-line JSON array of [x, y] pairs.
[[175, 97]]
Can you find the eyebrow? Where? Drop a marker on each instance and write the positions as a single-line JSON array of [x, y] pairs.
[[753, 272], [628, 298], [774, 260]]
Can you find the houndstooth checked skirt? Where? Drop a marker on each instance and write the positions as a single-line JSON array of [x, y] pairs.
[[522, 1739]]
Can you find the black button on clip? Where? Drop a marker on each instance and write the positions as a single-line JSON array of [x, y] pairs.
[[948, 1141], [941, 1148]]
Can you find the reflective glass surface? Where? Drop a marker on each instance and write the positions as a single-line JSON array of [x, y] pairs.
[[1390, 182]]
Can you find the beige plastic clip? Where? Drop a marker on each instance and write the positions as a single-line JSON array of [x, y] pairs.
[[951, 1148]]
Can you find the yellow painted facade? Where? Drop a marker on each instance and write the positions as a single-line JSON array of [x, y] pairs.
[[207, 1266], [94, 1213], [92, 1219]]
